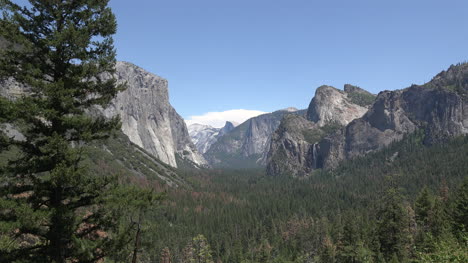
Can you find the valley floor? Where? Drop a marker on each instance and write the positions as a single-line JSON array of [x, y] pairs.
[[406, 203]]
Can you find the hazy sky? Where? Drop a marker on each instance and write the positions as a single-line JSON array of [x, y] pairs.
[[270, 54]]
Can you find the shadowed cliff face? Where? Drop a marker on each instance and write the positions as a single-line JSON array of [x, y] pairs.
[[147, 117], [294, 145], [247, 144]]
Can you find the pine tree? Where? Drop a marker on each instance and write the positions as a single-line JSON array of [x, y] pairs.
[[423, 212], [202, 250], [423, 207], [198, 251], [51, 208], [460, 211], [393, 226], [328, 253]]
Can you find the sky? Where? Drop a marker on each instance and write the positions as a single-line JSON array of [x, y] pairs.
[[265, 55]]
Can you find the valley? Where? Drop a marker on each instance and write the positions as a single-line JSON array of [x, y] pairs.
[[97, 165], [276, 189]]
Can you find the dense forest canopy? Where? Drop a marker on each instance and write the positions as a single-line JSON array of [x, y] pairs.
[[384, 207]]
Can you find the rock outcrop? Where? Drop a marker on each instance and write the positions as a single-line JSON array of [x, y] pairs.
[[295, 144], [147, 117], [182, 141], [228, 127], [439, 108], [331, 105]]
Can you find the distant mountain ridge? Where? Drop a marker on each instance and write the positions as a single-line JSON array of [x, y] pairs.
[[246, 145], [203, 136]]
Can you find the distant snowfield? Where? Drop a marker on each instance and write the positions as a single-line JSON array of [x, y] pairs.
[[218, 119]]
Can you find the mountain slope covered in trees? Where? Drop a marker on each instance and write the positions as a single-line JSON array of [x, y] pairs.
[[332, 216]]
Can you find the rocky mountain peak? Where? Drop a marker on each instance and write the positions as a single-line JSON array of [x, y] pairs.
[[294, 147], [437, 109], [331, 105], [229, 126], [454, 79]]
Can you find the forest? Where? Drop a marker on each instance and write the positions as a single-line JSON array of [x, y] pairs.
[[385, 207], [74, 189]]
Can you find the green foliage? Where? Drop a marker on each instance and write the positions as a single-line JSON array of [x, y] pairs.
[[313, 136], [446, 251], [117, 155], [133, 203], [317, 134], [52, 209], [460, 211], [393, 230], [423, 206], [361, 98], [249, 217], [198, 251]]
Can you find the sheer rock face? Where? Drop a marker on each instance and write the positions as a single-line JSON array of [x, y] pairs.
[[439, 108], [294, 147], [228, 127], [291, 150], [182, 141], [147, 117], [248, 143]]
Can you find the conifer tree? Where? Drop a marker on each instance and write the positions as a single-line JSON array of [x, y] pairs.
[[393, 224], [423, 214], [460, 211], [198, 251], [423, 208], [51, 208]]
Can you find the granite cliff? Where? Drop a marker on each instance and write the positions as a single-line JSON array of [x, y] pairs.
[[437, 109], [294, 145], [147, 117]]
